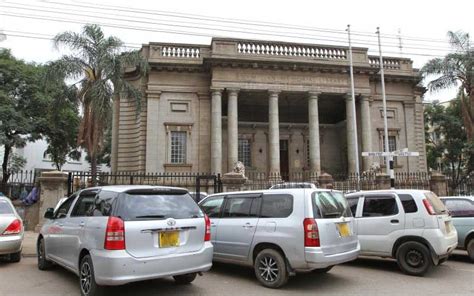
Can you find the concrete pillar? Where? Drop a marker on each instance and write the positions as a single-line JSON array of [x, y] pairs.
[[383, 181], [366, 127], [216, 131], [326, 181], [439, 184], [273, 134], [115, 133], [232, 128], [152, 130], [351, 165], [314, 148], [53, 187]]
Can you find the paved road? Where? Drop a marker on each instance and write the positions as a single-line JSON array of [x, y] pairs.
[[363, 276]]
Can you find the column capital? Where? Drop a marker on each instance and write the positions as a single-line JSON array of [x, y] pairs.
[[153, 95], [273, 92], [233, 90], [365, 97], [348, 96], [314, 94], [216, 90]]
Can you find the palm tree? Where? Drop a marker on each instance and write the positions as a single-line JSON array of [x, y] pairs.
[[99, 63], [456, 69]]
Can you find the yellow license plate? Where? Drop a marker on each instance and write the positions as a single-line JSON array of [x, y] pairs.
[[344, 229], [169, 239]]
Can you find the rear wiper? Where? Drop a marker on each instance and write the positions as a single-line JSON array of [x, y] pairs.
[[152, 216]]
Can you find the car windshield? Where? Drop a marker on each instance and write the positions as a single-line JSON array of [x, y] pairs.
[[5, 208], [157, 206], [330, 204], [436, 203]]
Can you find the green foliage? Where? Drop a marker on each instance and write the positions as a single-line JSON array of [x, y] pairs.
[[16, 163], [448, 149]]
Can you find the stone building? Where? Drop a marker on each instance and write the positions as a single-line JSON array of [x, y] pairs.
[[277, 107]]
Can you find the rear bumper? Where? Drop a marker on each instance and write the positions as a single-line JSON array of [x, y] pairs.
[[315, 258], [118, 267], [442, 244], [10, 244]]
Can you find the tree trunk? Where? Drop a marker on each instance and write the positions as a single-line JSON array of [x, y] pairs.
[[94, 170], [5, 172]]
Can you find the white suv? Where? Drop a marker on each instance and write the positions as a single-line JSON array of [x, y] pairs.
[[412, 226]]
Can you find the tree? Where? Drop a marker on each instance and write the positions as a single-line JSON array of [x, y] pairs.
[[456, 69], [99, 62], [22, 106], [447, 147]]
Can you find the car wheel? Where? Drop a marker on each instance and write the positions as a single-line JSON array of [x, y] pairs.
[[185, 279], [87, 278], [270, 268], [414, 258], [323, 270], [470, 249], [43, 263], [15, 257]]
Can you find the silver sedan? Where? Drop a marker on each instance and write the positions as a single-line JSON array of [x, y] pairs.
[[11, 231]]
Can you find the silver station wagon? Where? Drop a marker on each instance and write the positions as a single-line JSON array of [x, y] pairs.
[[121, 234], [282, 231]]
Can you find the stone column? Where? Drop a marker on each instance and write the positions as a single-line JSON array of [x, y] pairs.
[[351, 165], [216, 131], [314, 149], [53, 187], [152, 136], [383, 181], [439, 184], [232, 128], [366, 127], [274, 134], [115, 133]]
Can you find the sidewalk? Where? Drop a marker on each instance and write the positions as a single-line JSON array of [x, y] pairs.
[[29, 244]]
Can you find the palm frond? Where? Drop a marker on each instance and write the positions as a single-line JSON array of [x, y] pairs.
[[459, 40]]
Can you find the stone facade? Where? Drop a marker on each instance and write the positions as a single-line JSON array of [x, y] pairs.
[[288, 102]]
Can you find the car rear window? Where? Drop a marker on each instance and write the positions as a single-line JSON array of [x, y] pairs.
[[460, 207], [157, 206], [327, 204], [5, 208], [436, 203]]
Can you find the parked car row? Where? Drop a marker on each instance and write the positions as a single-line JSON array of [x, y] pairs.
[[115, 235]]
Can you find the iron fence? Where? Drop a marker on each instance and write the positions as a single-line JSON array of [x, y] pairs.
[[463, 186], [18, 183]]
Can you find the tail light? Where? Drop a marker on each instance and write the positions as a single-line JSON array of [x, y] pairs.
[[13, 228], [115, 234], [207, 234], [429, 207], [311, 233]]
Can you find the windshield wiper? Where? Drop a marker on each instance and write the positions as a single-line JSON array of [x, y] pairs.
[[151, 216]]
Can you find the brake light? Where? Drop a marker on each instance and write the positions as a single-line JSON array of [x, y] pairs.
[[115, 234], [429, 207], [311, 233], [207, 234], [13, 228]]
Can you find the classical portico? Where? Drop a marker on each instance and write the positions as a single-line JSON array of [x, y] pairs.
[[281, 108]]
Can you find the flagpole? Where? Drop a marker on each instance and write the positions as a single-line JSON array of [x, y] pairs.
[[384, 101], [354, 118]]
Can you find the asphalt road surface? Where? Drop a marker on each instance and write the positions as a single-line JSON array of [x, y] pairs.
[[363, 276]]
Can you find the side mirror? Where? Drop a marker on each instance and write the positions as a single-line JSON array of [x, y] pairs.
[[49, 214]]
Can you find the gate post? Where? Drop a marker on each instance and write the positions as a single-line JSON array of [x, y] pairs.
[[233, 182], [383, 181], [438, 184]]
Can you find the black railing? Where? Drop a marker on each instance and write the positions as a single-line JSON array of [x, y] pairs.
[[18, 183]]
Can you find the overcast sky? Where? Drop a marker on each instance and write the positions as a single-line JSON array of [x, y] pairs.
[[422, 24]]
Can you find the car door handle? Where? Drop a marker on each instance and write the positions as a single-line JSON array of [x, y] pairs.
[[395, 221], [82, 224], [213, 225], [60, 224], [247, 226]]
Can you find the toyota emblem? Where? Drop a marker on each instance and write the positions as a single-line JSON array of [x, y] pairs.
[[171, 222]]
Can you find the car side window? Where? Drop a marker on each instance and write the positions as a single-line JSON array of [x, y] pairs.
[[238, 207], [378, 206], [103, 203], [276, 206], [64, 208], [353, 204], [460, 207], [83, 205], [212, 206], [409, 204]]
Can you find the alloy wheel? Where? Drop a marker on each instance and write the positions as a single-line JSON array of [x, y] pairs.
[[86, 277], [268, 268]]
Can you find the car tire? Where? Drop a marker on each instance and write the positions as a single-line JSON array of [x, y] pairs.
[[323, 270], [271, 269], [87, 283], [43, 263], [414, 258], [15, 257], [185, 279], [470, 249]]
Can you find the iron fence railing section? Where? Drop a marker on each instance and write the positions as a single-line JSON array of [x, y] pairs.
[[18, 183]]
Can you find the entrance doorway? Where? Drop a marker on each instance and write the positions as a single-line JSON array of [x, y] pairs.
[[284, 166]]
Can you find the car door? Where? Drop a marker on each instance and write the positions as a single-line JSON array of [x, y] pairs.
[[74, 227], [212, 207], [54, 233], [379, 223], [237, 226]]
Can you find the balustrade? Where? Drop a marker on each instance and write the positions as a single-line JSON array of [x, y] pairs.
[[275, 49]]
